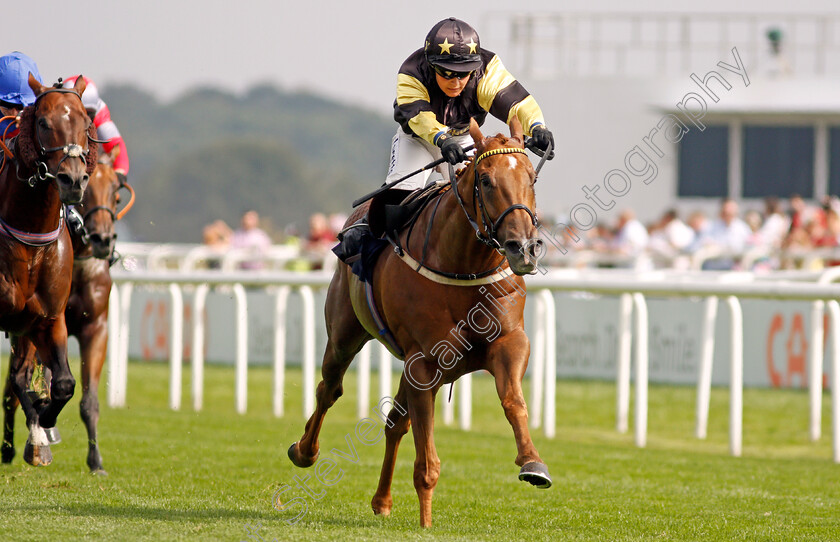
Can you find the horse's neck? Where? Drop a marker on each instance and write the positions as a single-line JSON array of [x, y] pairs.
[[453, 246], [33, 210]]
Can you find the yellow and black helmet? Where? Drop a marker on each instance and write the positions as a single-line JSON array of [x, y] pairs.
[[453, 45]]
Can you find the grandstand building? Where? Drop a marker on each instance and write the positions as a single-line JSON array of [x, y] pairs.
[[652, 111]]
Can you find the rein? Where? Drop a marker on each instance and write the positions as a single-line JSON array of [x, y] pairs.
[[491, 226]]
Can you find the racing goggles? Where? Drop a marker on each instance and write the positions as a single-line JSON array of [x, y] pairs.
[[448, 74]]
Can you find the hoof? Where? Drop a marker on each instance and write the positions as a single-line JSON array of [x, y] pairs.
[[53, 435], [98, 472], [536, 474], [37, 456], [381, 507], [298, 459], [7, 452]]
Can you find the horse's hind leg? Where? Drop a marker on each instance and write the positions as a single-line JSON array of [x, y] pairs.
[[396, 426], [10, 404], [346, 336], [93, 341]]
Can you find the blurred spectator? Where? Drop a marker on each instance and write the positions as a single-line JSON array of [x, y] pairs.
[[631, 240], [671, 235], [776, 224], [320, 234], [217, 236], [802, 213], [250, 237], [728, 234], [320, 240]]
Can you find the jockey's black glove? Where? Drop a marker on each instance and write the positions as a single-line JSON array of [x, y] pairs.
[[541, 137], [123, 179], [451, 150]]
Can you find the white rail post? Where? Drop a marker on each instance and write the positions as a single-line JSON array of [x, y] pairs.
[[199, 303], [114, 313], [176, 346], [363, 370], [834, 313], [625, 342], [704, 377], [642, 361], [384, 376], [736, 392], [550, 363], [241, 348], [538, 365], [122, 366], [448, 406], [815, 369], [308, 350], [281, 303], [465, 401]]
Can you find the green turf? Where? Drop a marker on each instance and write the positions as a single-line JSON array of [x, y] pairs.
[[206, 476]]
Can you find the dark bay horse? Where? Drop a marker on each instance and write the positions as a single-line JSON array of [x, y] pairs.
[[49, 167], [86, 314], [453, 322]]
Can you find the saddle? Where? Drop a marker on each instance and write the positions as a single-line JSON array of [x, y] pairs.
[[389, 213]]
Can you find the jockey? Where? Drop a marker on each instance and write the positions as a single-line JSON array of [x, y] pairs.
[[105, 128], [15, 93], [440, 87]]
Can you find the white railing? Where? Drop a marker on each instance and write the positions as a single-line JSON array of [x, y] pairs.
[[632, 290]]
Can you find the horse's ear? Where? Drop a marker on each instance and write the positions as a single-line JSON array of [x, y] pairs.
[[516, 129], [475, 133], [35, 85], [114, 153], [80, 85]]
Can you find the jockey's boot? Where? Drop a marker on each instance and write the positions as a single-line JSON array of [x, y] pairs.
[[350, 241], [75, 223]]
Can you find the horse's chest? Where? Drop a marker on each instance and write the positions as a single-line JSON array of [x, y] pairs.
[[30, 288]]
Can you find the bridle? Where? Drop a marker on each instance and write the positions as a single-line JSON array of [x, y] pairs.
[[70, 150], [115, 216], [490, 226]]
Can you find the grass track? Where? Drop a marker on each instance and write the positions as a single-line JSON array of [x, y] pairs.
[[205, 476]]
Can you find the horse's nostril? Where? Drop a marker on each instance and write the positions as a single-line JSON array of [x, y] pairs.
[[536, 247], [64, 178]]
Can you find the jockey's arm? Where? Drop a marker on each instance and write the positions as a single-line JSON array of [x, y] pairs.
[[107, 130], [504, 97], [413, 102]]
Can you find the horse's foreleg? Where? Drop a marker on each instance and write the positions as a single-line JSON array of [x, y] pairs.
[[93, 342], [508, 363], [421, 409], [52, 347], [37, 449], [395, 428]]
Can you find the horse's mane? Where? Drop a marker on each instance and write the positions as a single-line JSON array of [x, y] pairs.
[[27, 150], [501, 139]]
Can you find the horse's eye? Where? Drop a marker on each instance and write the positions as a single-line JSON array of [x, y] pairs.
[[42, 122], [486, 181]]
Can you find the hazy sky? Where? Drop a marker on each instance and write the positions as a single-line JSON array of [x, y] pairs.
[[349, 50]]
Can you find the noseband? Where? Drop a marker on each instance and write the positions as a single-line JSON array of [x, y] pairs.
[[490, 226], [70, 150]]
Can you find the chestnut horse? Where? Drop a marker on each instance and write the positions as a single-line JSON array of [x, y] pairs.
[[462, 280], [87, 309], [50, 167]]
